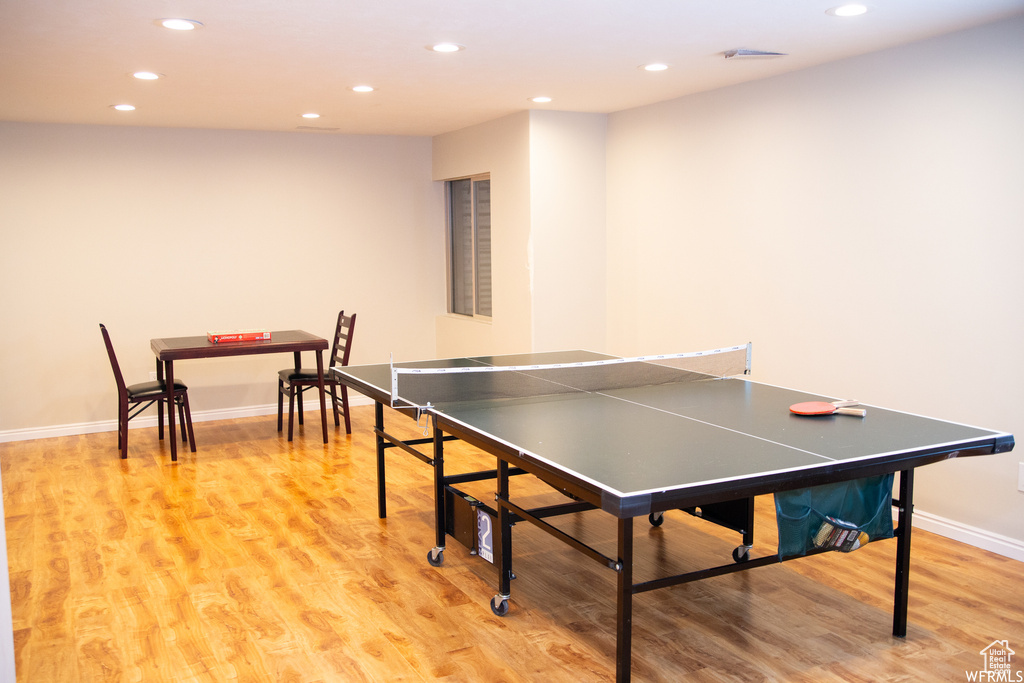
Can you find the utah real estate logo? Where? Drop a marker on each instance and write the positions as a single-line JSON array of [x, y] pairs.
[[997, 665]]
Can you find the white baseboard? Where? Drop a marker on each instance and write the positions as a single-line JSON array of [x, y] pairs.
[[141, 422], [144, 421], [973, 536]]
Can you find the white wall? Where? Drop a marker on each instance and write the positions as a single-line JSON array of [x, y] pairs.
[[861, 222], [160, 232], [567, 200]]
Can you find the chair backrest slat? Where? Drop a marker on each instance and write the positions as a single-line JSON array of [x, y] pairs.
[[342, 346], [118, 377]]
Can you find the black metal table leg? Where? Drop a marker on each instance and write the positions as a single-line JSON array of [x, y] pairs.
[[624, 611], [503, 543], [436, 556], [902, 587], [382, 504]]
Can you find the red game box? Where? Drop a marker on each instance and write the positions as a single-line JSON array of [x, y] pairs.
[[238, 336]]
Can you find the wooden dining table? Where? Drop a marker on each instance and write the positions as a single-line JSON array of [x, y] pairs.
[[170, 349]]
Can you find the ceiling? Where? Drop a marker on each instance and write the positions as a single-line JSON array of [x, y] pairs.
[[261, 64]]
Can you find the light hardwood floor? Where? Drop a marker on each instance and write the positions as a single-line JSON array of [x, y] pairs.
[[259, 560]]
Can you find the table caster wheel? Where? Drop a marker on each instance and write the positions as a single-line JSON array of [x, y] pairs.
[[741, 554], [436, 557], [499, 605], [656, 518]]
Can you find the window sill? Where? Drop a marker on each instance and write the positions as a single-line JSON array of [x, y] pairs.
[[479, 320]]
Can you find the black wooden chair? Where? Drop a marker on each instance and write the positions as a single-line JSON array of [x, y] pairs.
[[292, 382], [133, 399]]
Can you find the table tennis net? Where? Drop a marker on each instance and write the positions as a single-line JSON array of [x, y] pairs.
[[432, 386]]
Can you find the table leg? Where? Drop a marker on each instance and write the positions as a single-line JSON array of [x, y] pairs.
[[160, 403], [624, 612], [295, 398], [382, 504], [169, 372], [901, 592], [320, 386], [436, 557], [504, 541]]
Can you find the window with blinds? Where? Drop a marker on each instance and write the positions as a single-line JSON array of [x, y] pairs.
[[469, 246]]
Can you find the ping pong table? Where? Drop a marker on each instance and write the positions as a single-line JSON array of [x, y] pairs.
[[706, 447]]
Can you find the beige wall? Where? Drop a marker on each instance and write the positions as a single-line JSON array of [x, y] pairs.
[[862, 223], [500, 148], [567, 195], [548, 231], [159, 232]]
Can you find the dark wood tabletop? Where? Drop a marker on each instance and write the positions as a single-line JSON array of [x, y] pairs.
[[181, 348]]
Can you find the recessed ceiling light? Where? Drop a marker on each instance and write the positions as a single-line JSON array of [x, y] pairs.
[[311, 115], [147, 75], [851, 10], [446, 47], [180, 24], [654, 67], [362, 88], [540, 100], [123, 107]]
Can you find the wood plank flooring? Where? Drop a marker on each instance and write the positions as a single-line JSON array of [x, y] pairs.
[[259, 560]]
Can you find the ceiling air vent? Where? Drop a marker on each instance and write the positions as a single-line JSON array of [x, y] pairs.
[[742, 53]]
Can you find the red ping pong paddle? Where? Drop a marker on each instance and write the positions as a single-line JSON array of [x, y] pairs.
[[825, 408]]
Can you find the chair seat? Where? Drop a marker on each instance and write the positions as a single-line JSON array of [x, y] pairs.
[[303, 374], [153, 389]]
